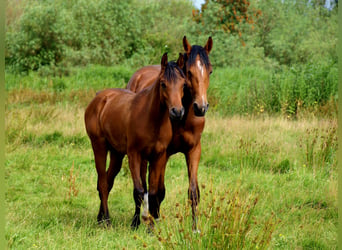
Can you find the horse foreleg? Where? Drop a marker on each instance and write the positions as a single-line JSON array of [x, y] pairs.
[[161, 185], [156, 185], [192, 160], [138, 192]]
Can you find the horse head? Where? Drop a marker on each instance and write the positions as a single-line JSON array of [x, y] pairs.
[[197, 69], [172, 82]]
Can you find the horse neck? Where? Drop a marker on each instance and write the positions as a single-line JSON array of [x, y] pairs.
[[187, 100], [155, 108]]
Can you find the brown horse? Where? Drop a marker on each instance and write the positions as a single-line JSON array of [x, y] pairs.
[[187, 132], [123, 122]]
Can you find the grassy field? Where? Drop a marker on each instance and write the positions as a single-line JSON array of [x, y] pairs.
[[266, 182]]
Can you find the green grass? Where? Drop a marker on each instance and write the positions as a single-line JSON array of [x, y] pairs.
[[292, 92], [268, 182]]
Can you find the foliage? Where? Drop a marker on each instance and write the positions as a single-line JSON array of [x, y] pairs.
[[82, 32], [37, 42], [110, 32], [294, 32], [226, 15]]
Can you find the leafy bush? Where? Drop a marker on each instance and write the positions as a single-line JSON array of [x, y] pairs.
[[97, 32], [37, 41]]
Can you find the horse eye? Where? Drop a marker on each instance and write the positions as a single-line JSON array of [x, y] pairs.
[[210, 72], [184, 86], [163, 85]]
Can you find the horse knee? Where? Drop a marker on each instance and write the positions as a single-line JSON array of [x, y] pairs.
[[138, 195]]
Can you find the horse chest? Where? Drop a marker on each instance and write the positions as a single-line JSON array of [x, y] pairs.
[[160, 142], [188, 135]]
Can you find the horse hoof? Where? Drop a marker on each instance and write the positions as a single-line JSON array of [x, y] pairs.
[[134, 226], [145, 217], [150, 228], [106, 223], [135, 223], [196, 231]]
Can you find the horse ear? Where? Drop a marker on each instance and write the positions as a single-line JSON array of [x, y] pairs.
[[163, 62], [180, 61], [209, 45], [186, 45]]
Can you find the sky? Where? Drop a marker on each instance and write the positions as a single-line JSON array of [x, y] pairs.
[[198, 3]]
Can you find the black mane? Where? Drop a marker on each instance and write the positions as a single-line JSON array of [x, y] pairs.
[[197, 50], [170, 71]]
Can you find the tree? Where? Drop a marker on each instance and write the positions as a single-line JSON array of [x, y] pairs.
[[228, 15]]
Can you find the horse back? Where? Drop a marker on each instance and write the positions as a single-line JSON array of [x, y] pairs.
[[143, 78]]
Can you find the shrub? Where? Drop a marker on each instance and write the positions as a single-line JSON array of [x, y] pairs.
[[37, 41]]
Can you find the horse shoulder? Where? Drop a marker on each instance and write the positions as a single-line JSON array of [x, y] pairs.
[[165, 136]]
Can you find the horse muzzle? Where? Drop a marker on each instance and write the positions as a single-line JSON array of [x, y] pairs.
[[200, 110], [176, 114]]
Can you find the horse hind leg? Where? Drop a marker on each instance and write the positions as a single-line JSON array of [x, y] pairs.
[[114, 168], [100, 153]]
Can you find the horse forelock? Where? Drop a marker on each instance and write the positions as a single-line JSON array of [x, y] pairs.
[[203, 56], [171, 70]]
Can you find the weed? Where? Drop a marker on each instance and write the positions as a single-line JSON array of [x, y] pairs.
[[73, 190], [320, 147], [253, 153], [283, 167], [226, 220]]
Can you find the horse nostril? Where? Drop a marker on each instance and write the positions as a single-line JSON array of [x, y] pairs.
[[177, 113], [200, 110]]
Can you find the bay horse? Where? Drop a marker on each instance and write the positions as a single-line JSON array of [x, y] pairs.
[[122, 122], [186, 134]]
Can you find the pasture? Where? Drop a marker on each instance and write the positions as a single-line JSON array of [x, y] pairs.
[[266, 181]]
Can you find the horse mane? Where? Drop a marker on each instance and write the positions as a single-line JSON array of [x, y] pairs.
[[170, 71], [197, 50]]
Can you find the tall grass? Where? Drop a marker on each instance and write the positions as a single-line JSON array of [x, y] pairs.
[[294, 93]]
